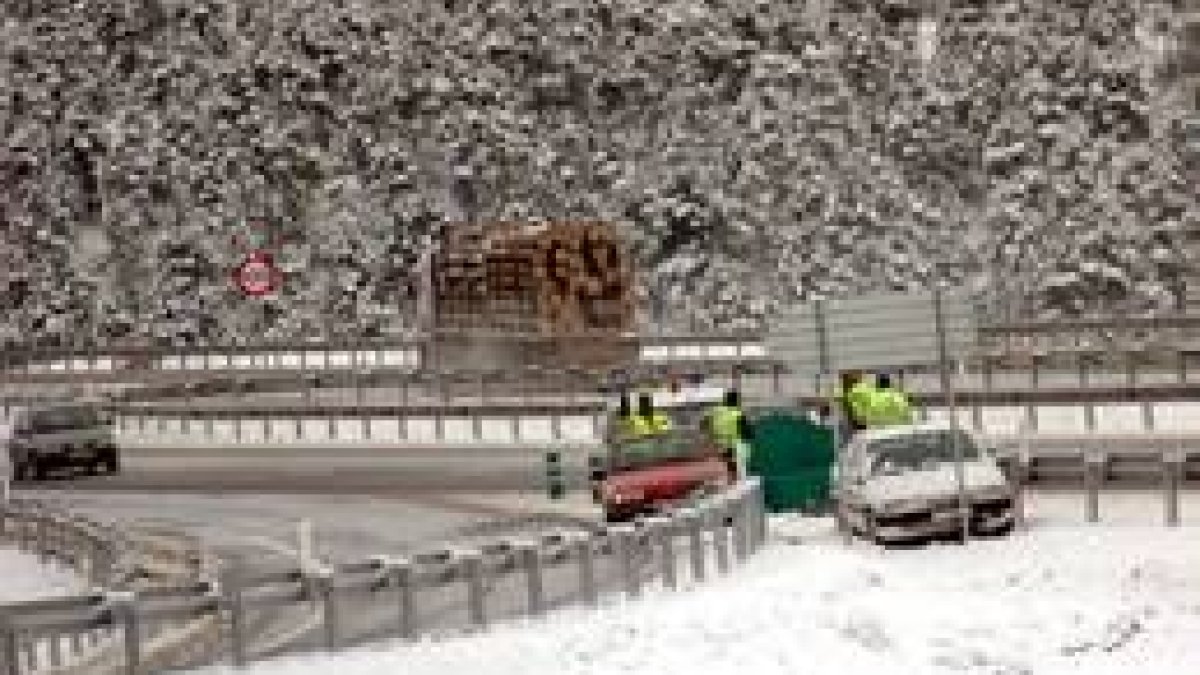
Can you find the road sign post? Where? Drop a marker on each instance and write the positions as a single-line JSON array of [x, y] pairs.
[[947, 379]]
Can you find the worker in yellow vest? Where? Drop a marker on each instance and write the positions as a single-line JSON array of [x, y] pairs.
[[854, 399], [624, 423], [730, 430], [888, 406], [648, 421]]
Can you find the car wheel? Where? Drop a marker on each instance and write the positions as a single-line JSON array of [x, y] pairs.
[[616, 517]]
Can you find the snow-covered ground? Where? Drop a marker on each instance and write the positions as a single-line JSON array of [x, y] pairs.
[[1063, 597], [24, 577]]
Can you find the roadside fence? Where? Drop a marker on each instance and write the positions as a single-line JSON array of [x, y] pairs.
[[107, 558], [259, 614]]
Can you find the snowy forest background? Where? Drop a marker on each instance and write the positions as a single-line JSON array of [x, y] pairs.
[[754, 153]]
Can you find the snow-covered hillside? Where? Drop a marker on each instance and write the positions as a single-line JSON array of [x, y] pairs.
[[23, 577], [751, 153], [1062, 598]]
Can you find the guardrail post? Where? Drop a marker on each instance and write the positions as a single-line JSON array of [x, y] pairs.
[[1093, 474], [662, 532], [54, 650], [756, 514], [736, 504], [236, 609], [1018, 479], [585, 553], [322, 580], [400, 575], [10, 647], [530, 556], [716, 522], [125, 613], [472, 562], [1172, 477], [29, 653], [623, 536], [1089, 408], [693, 523]]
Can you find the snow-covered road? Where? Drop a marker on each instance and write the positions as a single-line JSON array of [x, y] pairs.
[[1063, 597], [23, 577]]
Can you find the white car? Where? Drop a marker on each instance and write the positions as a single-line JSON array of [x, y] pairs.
[[900, 483]]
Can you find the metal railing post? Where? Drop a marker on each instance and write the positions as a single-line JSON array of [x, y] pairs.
[[400, 575], [235, 608], [720, 535], [736, 504], [693, 521], [530, 556], [1020, 478], [662, 533], [1172, 478], [472, 564], [322, 580], [54, 650], [758, 505], [125, 614], [10, 647], [623, 536], [1092, 475], [585, 553]]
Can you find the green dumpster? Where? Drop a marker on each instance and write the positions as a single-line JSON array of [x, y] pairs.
[[794, 457]]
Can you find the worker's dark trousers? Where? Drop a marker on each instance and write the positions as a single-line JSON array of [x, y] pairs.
[[730, 457]]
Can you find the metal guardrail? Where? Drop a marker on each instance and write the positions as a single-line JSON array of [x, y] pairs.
[[1020, 465], [1130, 369], [108, 558], [377, 419], [403, 354], [689, 545], [91, 549], [409, 352]]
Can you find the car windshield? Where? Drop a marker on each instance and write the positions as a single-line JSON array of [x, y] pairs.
[[64, 418], [673, 446], [920, 450]]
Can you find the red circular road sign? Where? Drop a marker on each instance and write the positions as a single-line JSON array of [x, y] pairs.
[[257, 275]]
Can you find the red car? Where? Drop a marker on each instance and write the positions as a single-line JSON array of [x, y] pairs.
[[658, 473]]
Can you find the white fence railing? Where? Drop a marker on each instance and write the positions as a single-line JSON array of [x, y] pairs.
[[548, 428]]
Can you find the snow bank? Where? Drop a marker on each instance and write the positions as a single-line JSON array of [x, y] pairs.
[[23, 577], [1062, 598]]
